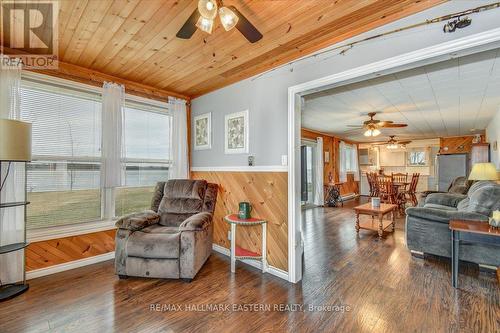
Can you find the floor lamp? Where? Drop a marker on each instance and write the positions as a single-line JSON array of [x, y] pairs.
[[15, 146]]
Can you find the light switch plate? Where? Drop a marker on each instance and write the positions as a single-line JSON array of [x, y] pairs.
[[284, 160]]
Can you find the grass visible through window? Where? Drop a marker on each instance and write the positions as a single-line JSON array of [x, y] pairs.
[[48, 209]]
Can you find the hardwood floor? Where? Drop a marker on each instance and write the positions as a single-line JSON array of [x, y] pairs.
[[384, 288]]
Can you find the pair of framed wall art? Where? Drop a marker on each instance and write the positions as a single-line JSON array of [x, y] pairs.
[[236, 133]]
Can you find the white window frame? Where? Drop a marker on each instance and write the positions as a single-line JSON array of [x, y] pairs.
[[158, 107], [350, 148], [107, 221]]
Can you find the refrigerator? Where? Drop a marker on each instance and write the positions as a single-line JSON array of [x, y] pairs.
[[450, 167]]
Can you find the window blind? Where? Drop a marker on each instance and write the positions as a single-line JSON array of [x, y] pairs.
[[64, 177]]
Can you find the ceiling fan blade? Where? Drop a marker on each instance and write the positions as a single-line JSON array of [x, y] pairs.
[[395, 125], [383, 123], [245, 27], [355, 126], [189, 28], [403, 142]]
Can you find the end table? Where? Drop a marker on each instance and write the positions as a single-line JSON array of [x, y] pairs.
[[238, 253], [470, 231]]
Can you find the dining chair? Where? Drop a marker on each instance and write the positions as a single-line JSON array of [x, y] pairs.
[[372, 182], [400, 177], [411, 193], [386, 189]]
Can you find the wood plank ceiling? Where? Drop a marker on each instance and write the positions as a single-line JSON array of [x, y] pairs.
[[135, 39]]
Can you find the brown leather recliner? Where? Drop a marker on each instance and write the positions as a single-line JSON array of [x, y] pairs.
[[173, 239]]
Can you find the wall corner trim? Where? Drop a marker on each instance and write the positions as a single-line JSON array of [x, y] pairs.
[[257, 264]]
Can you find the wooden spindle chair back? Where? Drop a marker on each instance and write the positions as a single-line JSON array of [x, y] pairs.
[[386, 189], [400, 177], [412, 191]]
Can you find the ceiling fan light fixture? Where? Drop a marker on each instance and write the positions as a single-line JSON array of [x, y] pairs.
[[228, 18], [392, 146], [205, 24], [207, 8], [372, 132]]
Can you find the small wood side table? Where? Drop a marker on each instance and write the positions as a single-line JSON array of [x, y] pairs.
[[470, 231], [238, 253], [380, 225]]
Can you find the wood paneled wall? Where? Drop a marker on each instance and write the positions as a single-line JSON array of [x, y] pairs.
[[268, 194], [62, 250], [331, 145], [456, 144]]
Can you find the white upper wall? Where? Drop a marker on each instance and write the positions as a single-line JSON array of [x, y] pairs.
[[492, 136], [266, 96]]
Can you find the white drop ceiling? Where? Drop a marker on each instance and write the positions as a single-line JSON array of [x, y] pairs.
[[448, 98]]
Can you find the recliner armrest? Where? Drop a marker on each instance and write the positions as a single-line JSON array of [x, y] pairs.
[[444, 216], [196, 222], [138, 221], [445, 199]]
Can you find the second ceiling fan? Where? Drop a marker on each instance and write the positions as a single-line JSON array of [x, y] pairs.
[[392, 143], [373, 126], [204, 17]]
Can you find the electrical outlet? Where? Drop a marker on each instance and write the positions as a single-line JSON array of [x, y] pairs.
[[229, 234]]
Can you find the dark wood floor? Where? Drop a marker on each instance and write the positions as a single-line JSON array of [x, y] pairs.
[[384, 288]]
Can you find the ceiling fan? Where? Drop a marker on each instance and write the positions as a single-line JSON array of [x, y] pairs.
[[393, 143], [204, 17], [373, 126]]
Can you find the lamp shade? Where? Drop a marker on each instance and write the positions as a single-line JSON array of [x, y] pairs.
[[483, 171], [15, 141]]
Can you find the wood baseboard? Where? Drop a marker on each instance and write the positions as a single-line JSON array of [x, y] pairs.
[[69, 265], [254, 263]]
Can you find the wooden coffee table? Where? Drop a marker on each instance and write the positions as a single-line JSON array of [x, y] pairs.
[[470, 231], [380, 224]]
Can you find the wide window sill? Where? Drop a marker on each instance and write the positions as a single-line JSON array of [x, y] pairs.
[[42, 234]]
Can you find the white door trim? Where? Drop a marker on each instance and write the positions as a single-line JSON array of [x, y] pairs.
[[470, 44]]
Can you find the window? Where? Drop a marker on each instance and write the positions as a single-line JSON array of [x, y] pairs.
[[350, 158], [417, 158], [64, 176], [147, 156]]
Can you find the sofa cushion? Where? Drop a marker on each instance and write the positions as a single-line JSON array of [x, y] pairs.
[[477, 185], [460, 185], [485, 199], [445, 199], [153, 245], [436, 206], [464, 204]]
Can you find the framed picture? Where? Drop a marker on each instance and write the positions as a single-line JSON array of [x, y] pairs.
[[236, 133], [203, 131]]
